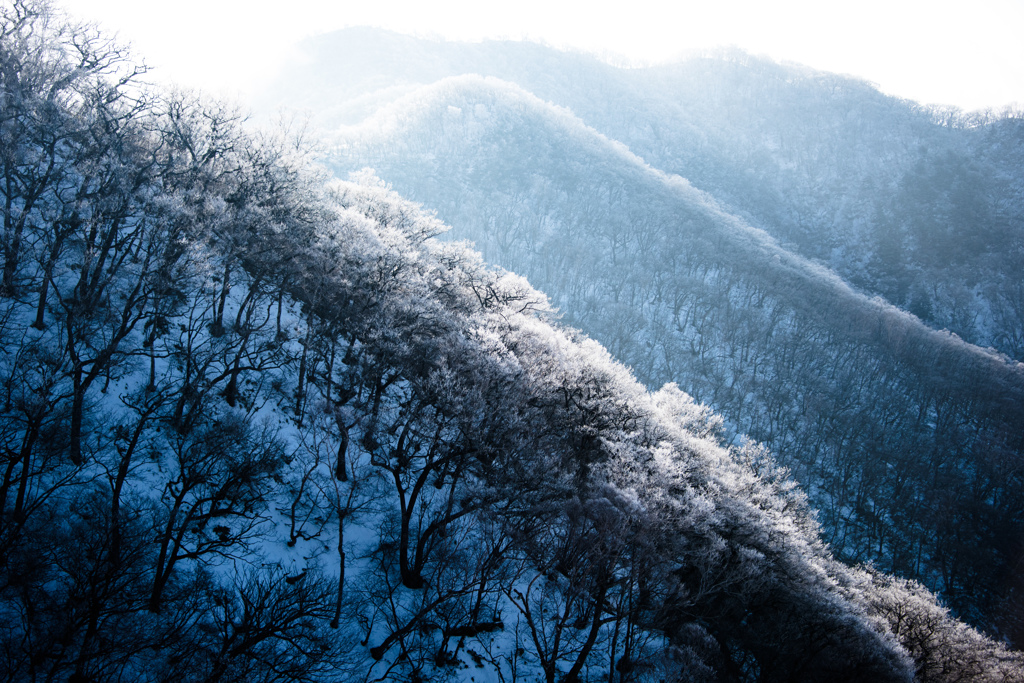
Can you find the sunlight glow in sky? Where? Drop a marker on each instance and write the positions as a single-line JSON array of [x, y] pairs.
[[939, 52]]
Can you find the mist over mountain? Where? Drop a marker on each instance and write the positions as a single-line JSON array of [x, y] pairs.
[[262, 424], [918, 205], [906, 438]]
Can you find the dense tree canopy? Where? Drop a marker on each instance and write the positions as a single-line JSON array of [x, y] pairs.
[[906, 438]]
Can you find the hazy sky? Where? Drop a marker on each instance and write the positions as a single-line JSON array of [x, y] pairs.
[[970, 55]]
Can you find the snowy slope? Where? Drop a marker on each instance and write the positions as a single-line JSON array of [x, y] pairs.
[[859, 399]]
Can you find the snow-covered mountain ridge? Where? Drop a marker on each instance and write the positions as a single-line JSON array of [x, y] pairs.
[[922, 206], [879, 416]]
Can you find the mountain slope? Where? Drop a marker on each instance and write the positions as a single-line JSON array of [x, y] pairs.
[[259, 426], [906, 438], [920, 206]]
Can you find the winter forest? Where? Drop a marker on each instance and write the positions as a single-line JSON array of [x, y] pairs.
[[716, 376]]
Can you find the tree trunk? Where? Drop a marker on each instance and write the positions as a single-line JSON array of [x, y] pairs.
[[341, 572], [595, 628], [340, 468], [26, 461], [77, 408]]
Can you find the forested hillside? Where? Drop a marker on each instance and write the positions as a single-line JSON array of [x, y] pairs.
[[907, 440], [922, 206], [262, 425]]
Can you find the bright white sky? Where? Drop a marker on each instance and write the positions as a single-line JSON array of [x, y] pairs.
[[942, 52]]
